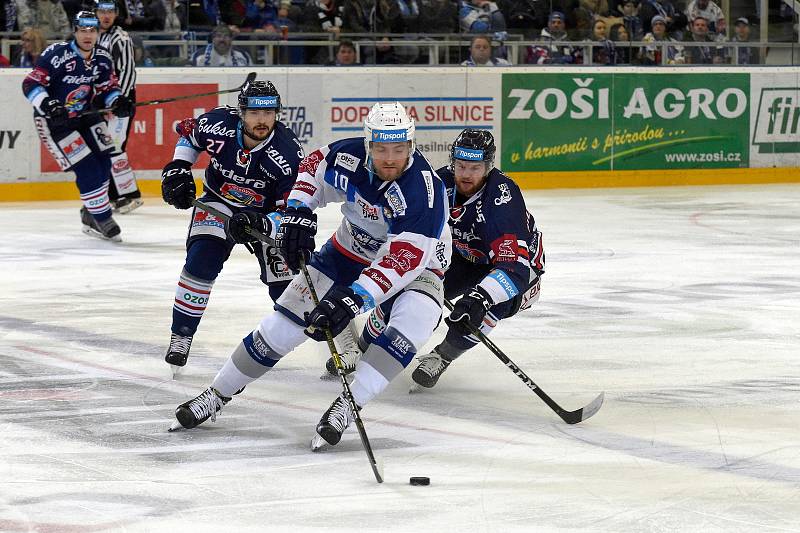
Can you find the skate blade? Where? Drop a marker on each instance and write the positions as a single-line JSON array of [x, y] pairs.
[[318, 443], [94, 233], [176, 426], [415, 388], [176, 371], [125, 209]]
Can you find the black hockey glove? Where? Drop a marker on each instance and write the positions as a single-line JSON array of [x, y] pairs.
[[335, 312], [177, 184], [57, 114], [122, 107], [469, 311], [239, 223], [295, 237]]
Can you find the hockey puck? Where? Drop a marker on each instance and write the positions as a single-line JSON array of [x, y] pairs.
[[420, 481]]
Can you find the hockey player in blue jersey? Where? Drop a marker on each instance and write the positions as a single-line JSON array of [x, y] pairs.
[[389, 252], [497, 262], [69, 79], [498, 258], [254, 162]]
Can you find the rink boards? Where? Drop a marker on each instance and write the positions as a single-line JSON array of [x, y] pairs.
[[555, 127]]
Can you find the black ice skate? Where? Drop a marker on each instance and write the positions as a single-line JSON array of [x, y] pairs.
[[107, 229], [430, 369], [125, 204], [196, 411], [178, 352], [332, 424]]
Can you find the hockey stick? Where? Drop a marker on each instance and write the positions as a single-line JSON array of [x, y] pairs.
[[570, 417], [329, 337], [345, 385], [250, 78]]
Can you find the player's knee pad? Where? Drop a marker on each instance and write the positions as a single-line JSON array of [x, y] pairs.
[[415, 316], [281, 333], [254, 356], [206, 256]]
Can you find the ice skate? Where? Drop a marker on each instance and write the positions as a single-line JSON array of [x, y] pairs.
[[348, 359], [332, 424], [107, 229], [349, 353], [196, 411], [126, 204], [429, 370], [178, 352]]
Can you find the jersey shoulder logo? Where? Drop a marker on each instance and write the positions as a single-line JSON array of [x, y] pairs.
[[311, 162], [347, 161], [505, 194]]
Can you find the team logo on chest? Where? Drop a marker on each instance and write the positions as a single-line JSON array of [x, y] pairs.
[[243, 158]]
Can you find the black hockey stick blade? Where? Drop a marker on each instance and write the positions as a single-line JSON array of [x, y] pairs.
[[573, 417], [570, 417], [219, 214]]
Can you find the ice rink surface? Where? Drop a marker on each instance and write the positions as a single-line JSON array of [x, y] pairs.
[[682, 304]]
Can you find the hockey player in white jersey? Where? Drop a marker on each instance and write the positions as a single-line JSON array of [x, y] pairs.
[[390, 252]]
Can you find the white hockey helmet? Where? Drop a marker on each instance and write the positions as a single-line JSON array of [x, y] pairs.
[[389, 122]]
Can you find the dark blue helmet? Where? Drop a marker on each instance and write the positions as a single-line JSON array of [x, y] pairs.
[[85, 19], [473, 145], [259, 94]]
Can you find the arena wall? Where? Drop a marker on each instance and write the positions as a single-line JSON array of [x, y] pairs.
[[555, 126]]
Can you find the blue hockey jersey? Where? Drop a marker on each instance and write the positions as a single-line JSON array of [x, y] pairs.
[[494, 228], [397, 229], [259, 179], [61, 72]]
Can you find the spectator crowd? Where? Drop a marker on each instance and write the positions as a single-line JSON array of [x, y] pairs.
[[567, 31]]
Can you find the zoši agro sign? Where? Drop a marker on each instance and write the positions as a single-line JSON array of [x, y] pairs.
[[625, 121]]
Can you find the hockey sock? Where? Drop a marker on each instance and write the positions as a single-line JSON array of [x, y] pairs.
[[383, 361], [455, 344], [191, 299]]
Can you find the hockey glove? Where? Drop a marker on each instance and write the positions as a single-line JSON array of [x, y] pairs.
[[239, 223], [335, 312], [295, 238], [469, 311], [177, 184], [122, 106], [57, 114]]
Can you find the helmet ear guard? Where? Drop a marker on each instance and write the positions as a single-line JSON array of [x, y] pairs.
[[473, 145]]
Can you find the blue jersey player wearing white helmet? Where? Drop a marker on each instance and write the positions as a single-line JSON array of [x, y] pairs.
[[498, 257], [390, 253]]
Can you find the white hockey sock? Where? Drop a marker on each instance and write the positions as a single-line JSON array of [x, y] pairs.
[[367, 383], [229, 380]]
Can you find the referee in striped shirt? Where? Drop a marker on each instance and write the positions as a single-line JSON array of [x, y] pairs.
[[123, 191]]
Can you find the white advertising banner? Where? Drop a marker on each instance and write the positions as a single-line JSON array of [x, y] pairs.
[[320, 105]]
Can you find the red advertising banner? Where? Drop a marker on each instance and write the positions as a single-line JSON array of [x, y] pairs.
[[152, 138]]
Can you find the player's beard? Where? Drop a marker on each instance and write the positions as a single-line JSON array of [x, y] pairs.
[[253, 135]]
